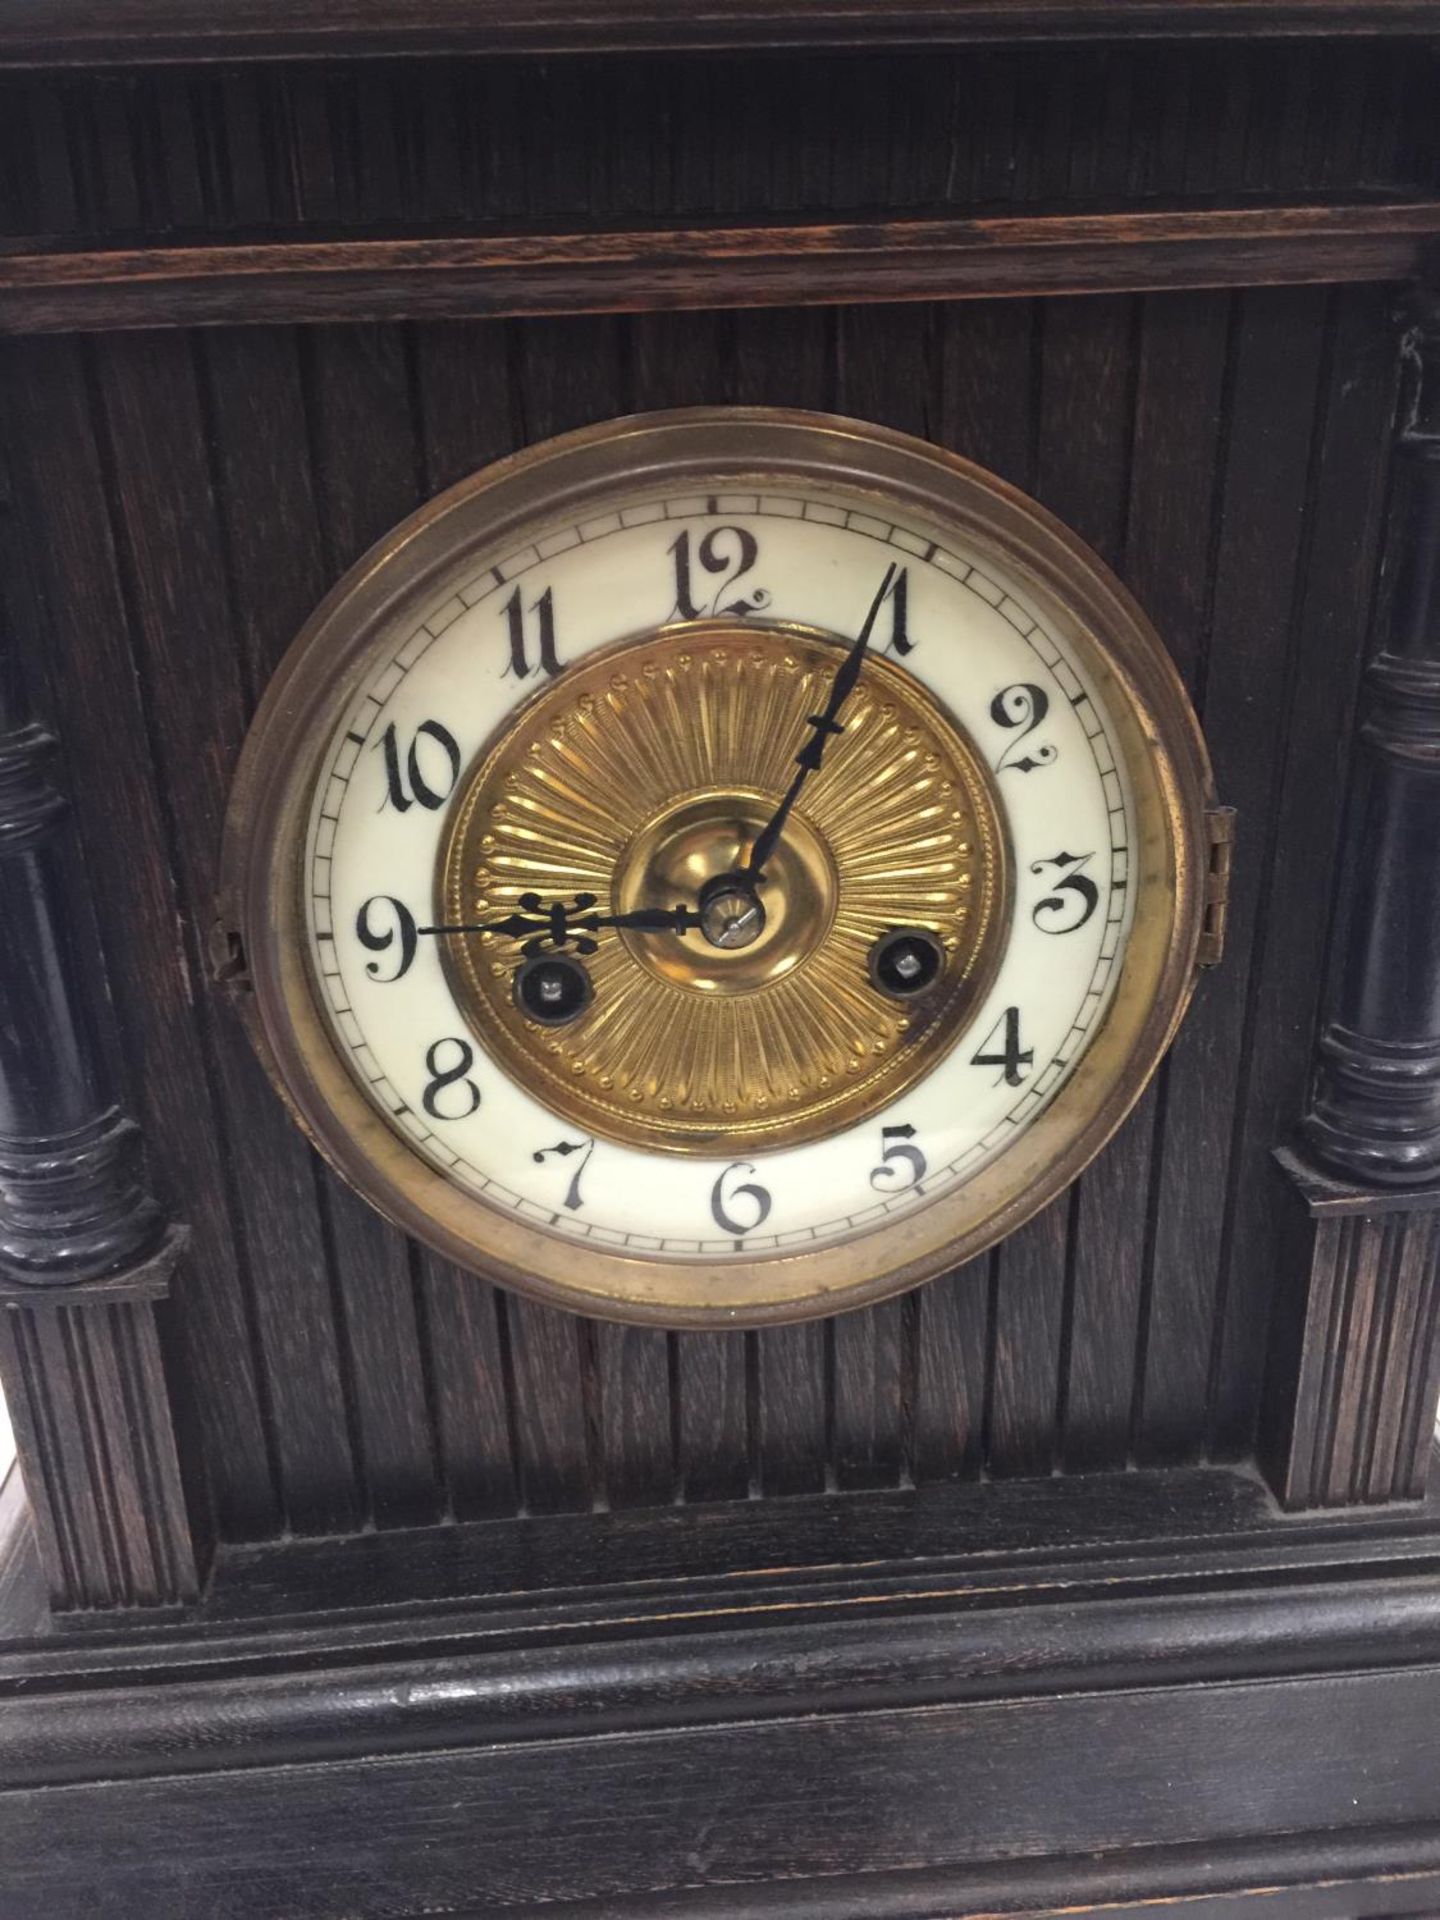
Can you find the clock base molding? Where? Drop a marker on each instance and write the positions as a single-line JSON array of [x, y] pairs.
[[1121, 1691]]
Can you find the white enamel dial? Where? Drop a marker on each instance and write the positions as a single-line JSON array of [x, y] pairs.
[[430, 704], [699, 720]]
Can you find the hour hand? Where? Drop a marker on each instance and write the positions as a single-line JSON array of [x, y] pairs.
[[556, 924]]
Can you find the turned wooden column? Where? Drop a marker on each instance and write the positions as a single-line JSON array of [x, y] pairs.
[[1356, 1367], [85, 1252]]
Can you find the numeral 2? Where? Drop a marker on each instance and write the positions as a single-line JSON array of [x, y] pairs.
[[1024, 706], [1007, 1053]]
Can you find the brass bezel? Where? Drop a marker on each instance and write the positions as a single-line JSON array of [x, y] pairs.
[[558, 480]]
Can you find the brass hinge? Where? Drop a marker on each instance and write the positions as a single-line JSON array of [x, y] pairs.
[[1220, 837]]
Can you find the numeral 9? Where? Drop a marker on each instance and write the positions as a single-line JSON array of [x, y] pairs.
[[373, 933]]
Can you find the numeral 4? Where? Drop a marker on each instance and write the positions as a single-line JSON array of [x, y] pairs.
[[1005, 1050]]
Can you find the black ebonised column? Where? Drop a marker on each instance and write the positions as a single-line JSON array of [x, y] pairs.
[[72, 1206], [1356, 1369], [85, 1252]]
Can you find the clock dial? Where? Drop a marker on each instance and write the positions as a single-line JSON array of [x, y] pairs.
[[721, 866]]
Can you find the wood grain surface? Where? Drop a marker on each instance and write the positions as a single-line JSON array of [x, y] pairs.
[[44, 33], [1131, 1318], [187, 493], [715, 266]]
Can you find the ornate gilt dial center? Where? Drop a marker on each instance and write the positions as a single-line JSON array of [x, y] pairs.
[[748, 938], [644, 775]]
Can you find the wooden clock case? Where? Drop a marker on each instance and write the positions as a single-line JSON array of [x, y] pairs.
[[1098, 1574]]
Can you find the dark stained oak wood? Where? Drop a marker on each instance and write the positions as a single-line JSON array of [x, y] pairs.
[[938, 1734], [1346, 513], [1350, 1420], [468, 1390], [1048, 1380], [1258, 548], [43, 33], [88, 1395], [153, 973], [1083, 472], [150, 407], [876, 1616], [1181, 359], [66, 291], [552, 1392], [1355, 1360], [502, 145]]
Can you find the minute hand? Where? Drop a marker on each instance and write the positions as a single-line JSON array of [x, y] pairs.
[[822, 726]]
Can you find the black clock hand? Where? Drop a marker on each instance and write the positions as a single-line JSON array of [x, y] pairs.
[[557, 924], [824, 724]]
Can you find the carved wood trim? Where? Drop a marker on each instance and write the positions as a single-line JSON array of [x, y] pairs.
[[699, 267], [131, 32]]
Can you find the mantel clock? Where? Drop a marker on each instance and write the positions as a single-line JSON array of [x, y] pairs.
[[719, 959]]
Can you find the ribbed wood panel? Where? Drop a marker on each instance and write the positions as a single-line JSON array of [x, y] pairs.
[[190, 496], [448, 144], [91, 1413], [1364, 1363]]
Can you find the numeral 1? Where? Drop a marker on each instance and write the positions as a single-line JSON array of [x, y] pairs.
[[898, 601]]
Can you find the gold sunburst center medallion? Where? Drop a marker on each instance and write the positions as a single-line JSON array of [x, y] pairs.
[[649, 769]]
